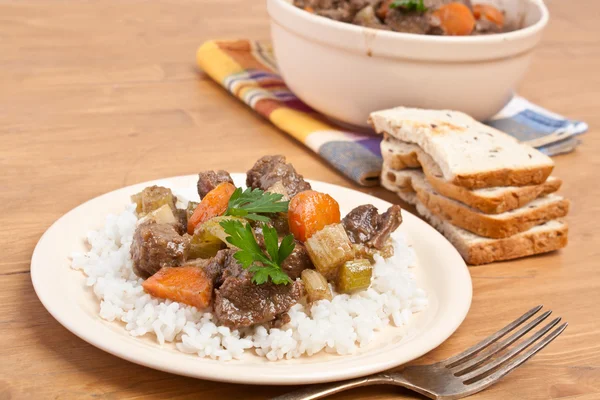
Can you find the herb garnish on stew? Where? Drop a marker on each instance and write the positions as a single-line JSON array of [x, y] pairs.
[[251, 256], [250, 203], [409, 5]]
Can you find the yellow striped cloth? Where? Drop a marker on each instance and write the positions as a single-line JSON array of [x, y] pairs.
[[247, 70]]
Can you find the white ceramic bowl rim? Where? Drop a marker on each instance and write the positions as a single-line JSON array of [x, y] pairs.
[[408, 45]]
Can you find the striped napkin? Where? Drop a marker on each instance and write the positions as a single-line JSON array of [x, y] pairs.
[[247, 69]]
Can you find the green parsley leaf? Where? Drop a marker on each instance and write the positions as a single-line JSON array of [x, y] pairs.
[[240, 236], [252, 202], [271, 242], [236, 195], [256, 217], [261, 274], [286, 247], [275, 274], [409, 5], [236, 212], [244, 258], [252, 257], [279, 277]]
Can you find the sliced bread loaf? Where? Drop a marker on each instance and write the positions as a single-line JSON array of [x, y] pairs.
[[468, 153], [399, 155], [496, 226], [476, 250]]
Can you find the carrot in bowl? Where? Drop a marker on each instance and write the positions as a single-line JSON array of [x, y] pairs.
[[188, 284], [456, 19], [490, 13], [212, 205], [311, 211]]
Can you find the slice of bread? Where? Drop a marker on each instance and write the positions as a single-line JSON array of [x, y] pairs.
[[469, 153], [399, 155], [477, 250], [496, 226]]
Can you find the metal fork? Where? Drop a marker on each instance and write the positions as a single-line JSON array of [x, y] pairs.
[[462, 375]]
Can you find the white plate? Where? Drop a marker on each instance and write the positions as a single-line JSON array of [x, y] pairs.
[[441, 272]]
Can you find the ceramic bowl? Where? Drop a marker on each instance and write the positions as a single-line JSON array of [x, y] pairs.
[[347, 71]]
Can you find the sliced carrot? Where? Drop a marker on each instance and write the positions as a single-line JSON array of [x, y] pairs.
[[311, 211], [490, 13], [309, 9], [455, 19], [187, 284], [212, 205]]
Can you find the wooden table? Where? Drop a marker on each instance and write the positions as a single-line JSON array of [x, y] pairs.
[[90, 91]]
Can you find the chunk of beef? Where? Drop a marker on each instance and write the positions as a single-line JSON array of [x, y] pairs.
[[279, 321], [361, 223], [410, 21], [297, 262], [197, 262], [269, 170], [339, 10], [334, 9], [257, 229], [387, 223], [343, 14], [240, 303], [279, 221], [156, 246], [365, 225], [222, 266], [181, 217], [208, 180]]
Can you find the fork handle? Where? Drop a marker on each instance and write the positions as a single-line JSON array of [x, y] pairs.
[[314, 392]]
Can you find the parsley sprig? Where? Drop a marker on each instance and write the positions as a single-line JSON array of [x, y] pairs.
[[409, 5], [251, 256], [250, 203]]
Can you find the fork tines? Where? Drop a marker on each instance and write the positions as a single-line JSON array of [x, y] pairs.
[[486, 362]]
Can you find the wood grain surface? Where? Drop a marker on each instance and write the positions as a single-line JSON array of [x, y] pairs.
[[96, 95]]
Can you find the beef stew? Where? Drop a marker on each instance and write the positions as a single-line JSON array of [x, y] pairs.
[[424, 17], [250, 254]]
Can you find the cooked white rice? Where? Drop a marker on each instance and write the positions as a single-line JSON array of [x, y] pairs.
[[339, 326]]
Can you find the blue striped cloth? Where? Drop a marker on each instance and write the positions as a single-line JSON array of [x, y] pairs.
[[550, 133]]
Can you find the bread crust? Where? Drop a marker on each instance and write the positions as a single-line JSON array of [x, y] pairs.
[[506, 200], [504, 177], [518, 246], [486, 251], [396, 159], [486, 225], [491, 226], [427, 127]]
